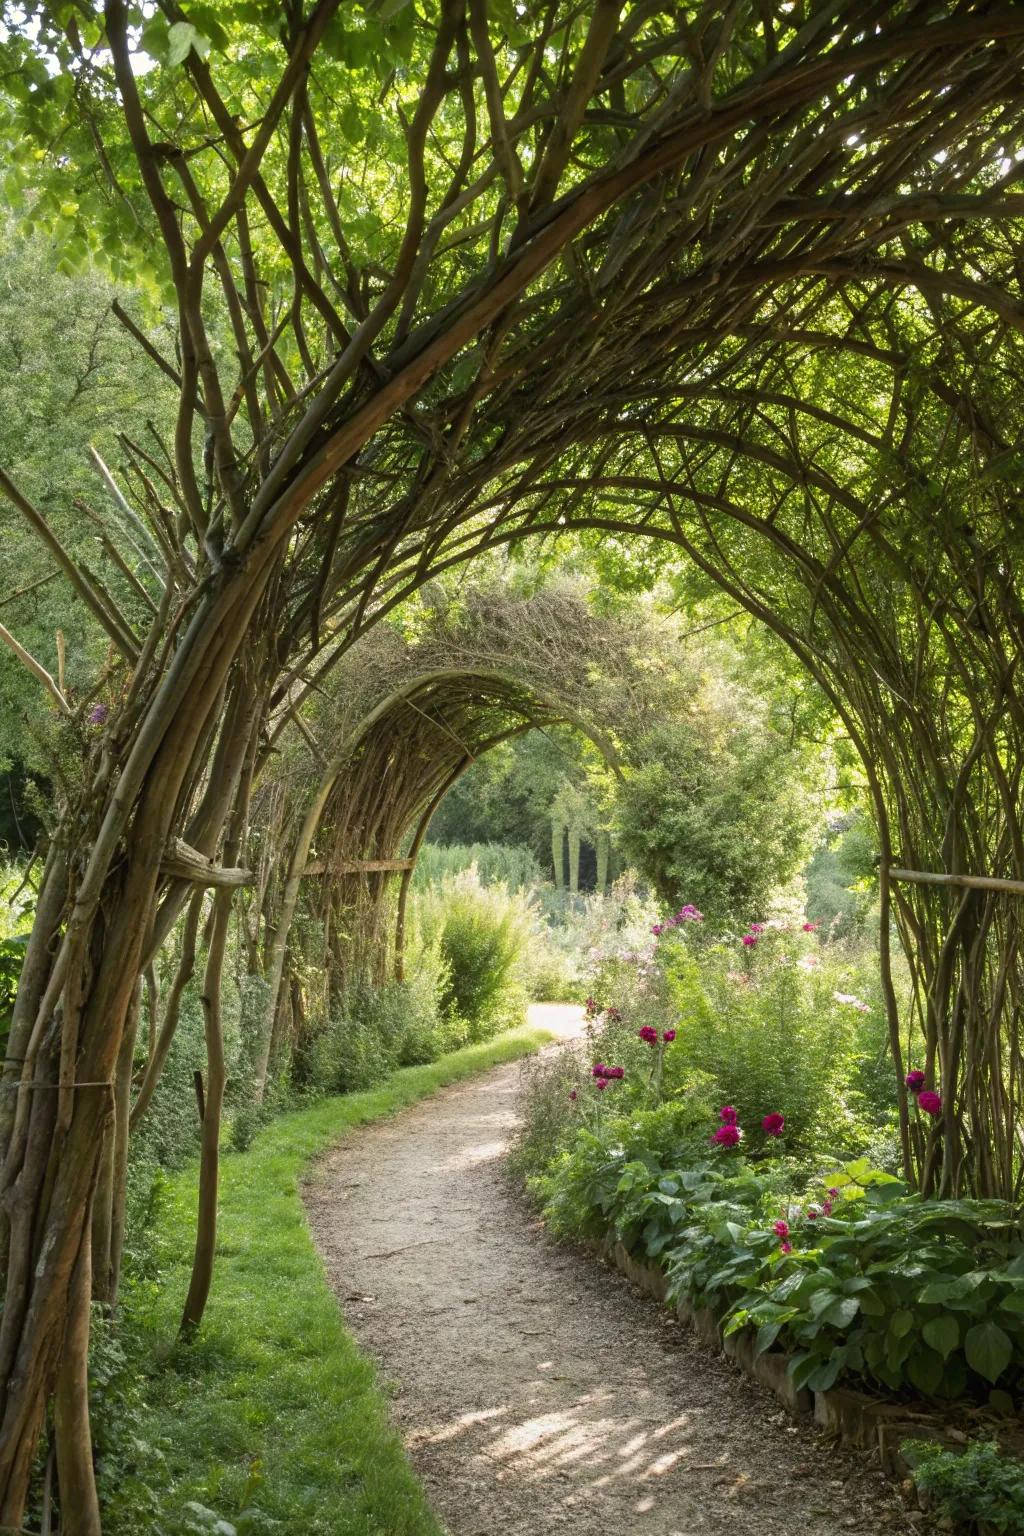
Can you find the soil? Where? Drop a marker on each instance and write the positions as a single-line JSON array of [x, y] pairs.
[[535, 1389]]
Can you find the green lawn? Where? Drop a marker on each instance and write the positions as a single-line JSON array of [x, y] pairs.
[[272, 1408]]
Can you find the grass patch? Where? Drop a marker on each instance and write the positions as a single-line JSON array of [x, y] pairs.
[[272, 1409]]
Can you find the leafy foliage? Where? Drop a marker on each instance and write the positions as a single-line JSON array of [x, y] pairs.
[[978, 1488]]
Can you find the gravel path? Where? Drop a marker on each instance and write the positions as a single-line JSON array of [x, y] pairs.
[[535, 1389]]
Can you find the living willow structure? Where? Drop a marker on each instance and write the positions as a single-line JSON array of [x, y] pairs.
[[729, 281]]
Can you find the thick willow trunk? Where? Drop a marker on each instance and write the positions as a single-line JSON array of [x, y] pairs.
[[558, 854]]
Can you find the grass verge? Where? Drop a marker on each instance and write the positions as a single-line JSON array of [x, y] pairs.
[[271, 1420]]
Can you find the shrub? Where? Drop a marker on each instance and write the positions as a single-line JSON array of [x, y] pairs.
[[977, 1488], [512, 865], [481, 933]]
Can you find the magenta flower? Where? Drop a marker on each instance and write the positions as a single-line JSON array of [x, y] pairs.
[[813, 1213], [826, 1207], [833, 1194], [810, 927], [728, 1135], [781, 1228], [614, 1074], [914, 1081], [593, 1007], [657, 930], [930, 1102], [98, 714], [757, 928], [613, 1015], [786, 1247], [689, 914], [650, 1034], [572, 1096], [773, 1124], [669, 1036], [597, 1070], [749, 940], [727, 1114], [601, 1085]]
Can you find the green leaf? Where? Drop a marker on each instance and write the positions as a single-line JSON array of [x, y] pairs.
[[842, 1312], [924, 1369], [182, 38], [943, 1334], [825, 1376], [766, 1336], [902, 1322], [988, 1350]]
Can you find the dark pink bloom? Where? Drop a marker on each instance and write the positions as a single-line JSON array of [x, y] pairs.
[[813, 1213], [749, 940], [773, 1124], [669, 1036], [593, 1007], [98, 714], [597, 1070], [781, 1228], [930, 1102], [787, 1247], [650, 1034], [826, 1207], [573, 1095], [757, 928], [689, 914], [914, 1081], [833, 1194], [810, 927], [657, 930], [727, 1135], [727, 1114], [601, 1084]]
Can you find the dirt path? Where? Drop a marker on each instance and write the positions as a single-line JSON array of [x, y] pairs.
[[535, 1389]]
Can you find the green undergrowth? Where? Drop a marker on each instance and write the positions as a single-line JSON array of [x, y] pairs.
[[270, 1421]]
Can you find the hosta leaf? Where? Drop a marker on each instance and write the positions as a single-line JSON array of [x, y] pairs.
[[943, 1334], [825, 1376], [766, 1336], [988, 1350], [842, 1312], [925, 1371], [902, 1322]]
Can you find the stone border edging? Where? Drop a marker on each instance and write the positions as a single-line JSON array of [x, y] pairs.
[[858, 1421]]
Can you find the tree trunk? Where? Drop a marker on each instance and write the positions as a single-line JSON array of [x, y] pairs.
[[557, 853], [603, 849], [79, 1503], [574, 860], [209, 1161]]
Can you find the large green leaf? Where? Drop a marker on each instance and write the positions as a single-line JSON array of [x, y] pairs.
[[988, 1349], [943, 1334]]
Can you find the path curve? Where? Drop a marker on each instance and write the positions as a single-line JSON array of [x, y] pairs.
[[534, 1388]]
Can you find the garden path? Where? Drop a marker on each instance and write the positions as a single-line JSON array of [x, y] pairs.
[[534, 1388]]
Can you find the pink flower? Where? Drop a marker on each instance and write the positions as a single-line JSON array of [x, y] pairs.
[[613, 1015], [833, 1194], [573, 1095], [98, 714], [813, 1213], [757, 928], [601, 1085], [930, 1102], [657, 930], [597, 1070], [650, 1034], [669, 1036], [810, 927], [914, 1081], [689, 914], [781, 1228], [773, 1124], [826, 1207], [728, 1135], [786, 1247], [749, 940], [593, 1007], [727, 1114], [614, 1073]]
